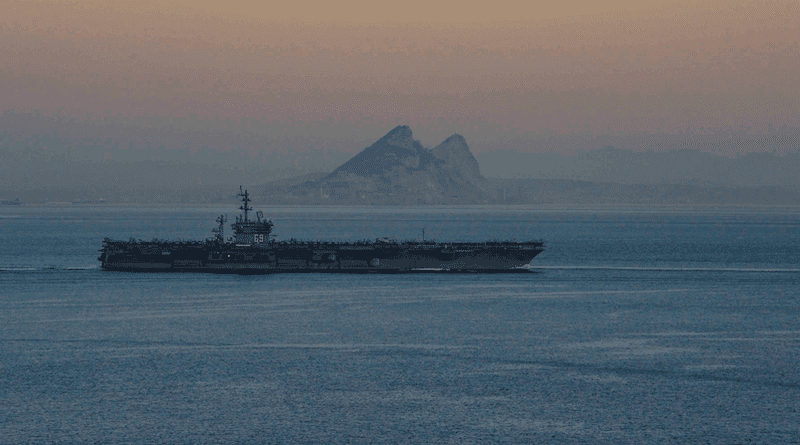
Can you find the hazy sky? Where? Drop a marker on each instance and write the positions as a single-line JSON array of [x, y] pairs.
[[493, 71]]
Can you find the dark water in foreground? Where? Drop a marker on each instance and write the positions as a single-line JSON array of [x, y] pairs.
[[641, 326]]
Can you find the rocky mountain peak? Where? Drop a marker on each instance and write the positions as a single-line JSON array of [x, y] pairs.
[[457, 157], [400, 136], [397, 169], [397, 148], [454, 145]]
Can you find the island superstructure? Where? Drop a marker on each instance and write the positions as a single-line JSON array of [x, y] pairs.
[[254, 249]]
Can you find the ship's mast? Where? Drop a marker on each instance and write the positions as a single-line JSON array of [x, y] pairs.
[[220, 231], [245, 199]]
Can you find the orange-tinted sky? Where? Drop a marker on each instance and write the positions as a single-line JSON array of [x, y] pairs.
[[488, 70]]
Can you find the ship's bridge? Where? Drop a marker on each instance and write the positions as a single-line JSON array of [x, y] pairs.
[[247, 231], [251, 232]]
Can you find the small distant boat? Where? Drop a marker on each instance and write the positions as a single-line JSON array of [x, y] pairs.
[[90, 201], [15, 202]]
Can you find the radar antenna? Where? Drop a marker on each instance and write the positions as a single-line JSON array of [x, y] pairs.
[[245, 199]]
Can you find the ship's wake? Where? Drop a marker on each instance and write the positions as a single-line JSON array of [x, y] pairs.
[[669, 269], [12, 269]]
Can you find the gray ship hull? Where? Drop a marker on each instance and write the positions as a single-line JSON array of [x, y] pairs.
[[318, 257]]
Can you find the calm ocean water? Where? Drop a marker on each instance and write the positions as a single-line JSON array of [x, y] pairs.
[[670, 325]]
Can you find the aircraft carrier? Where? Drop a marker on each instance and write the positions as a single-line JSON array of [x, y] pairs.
[[254, 249]]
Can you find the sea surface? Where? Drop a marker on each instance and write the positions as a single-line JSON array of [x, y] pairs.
[[636, 325]]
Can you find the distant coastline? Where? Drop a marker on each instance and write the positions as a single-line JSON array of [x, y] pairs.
[[398, 170]]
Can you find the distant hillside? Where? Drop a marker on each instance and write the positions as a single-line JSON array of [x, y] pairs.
[[395, 170], [562, 191], [673, 166], [398, 170], [204, 165]]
